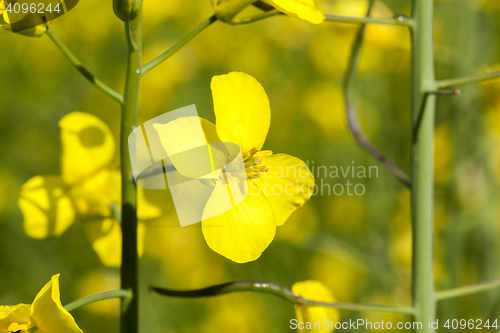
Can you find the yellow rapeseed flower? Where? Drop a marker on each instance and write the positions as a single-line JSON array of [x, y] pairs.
[[307, 314], [89, 188], [277, 184], [45, 315]]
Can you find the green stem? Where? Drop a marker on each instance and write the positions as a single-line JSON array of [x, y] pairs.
[[466, 80], [119, 293], [351, 112], [467, 290], [398, 20], [82, 69], [129, 320], [167, 54], [277, 290], [422, 160]]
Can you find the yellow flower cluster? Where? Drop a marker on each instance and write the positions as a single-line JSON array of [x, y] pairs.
[[88, 189]]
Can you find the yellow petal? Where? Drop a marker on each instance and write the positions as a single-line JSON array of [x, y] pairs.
[[106, 238], [186, 142], [48, 312], [317, 291], [15, 316], [87, 146], [287, 184], [301, 9], [242, 110], [46, 208], [96, 193], [242, 233]]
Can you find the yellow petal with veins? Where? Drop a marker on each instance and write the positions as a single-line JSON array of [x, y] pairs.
[[301, 9], [316, 291], [242, 233], [287, 184], [46, 207], [14, 317], [242, 110], [87, 146], [48, 313]]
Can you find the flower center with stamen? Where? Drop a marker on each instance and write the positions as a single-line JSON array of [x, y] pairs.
[[254, 164]]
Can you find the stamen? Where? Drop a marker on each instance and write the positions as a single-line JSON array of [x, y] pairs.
[[263, 153], [250, 153], [254, 175]]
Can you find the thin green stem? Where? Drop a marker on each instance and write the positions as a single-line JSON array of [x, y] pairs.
[[255, 18], [119, 293], [398, 20], [167, 54], [352, 117], [277, 290], [467, 290], [129, 319], [82, 69], [443, 84], [422, 163]]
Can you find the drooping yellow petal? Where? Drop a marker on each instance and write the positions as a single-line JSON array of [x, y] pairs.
[[301, 9], [46, 207], [242, 233], [106, 238], [287, 184], [317, 291], [48, 313], [87, 146], [186, 142], [14, 317], [242, 110]]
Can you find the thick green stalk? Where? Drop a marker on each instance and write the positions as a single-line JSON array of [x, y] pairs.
[[129, 321], [422, 163]]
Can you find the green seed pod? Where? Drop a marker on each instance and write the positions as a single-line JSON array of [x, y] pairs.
[[126, 10]]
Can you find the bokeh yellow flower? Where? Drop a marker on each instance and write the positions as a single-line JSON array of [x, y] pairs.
[[88, 189], [277, 184], [317, 291], [46, 313]]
